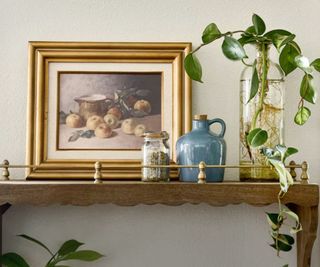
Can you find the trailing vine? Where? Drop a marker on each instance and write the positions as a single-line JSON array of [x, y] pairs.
[[290, 59]]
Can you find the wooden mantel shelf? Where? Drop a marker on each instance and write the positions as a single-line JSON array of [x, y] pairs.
[[134, 193], [302, 198]]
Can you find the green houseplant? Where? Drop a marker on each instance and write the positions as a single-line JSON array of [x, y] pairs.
[[290, 59], [69, 251]]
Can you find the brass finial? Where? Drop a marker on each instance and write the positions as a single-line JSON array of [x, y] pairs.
[[293, 169], [304, 174], [202, 173], [5, 172], [98, 175]]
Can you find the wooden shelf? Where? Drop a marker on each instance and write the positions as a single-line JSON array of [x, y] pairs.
[[302, 198], [134, 193]]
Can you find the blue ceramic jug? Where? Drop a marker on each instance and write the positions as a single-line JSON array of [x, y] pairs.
[[201, 144]]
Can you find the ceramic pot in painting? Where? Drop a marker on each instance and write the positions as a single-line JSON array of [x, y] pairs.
[[201, 144]]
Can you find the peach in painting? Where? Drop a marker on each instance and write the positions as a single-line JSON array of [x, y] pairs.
[[143, 105], [94, 121], [116, 112], [103, 131], [128, 126], [111, 120], [74, 121], [139, 130]]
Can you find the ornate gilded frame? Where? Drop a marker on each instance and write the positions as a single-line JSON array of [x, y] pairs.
[[42, 53]]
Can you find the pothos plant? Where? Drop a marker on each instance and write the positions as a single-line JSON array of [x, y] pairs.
[[67, 252], [290, 59]]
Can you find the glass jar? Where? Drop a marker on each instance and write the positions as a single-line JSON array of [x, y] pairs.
[[156, 151], [270, 118]]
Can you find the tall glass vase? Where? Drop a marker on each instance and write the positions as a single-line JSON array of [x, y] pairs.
[[266, 113]]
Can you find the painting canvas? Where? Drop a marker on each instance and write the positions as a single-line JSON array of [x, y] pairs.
[[111, 111]]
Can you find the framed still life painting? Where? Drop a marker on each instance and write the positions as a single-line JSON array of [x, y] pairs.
[[92, 102]]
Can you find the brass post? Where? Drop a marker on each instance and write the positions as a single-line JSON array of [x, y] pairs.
[[304, 174], [5, 172], [293, 169], [202, 173], [98, 175]]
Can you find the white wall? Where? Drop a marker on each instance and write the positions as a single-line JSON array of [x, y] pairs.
[[157, 235]]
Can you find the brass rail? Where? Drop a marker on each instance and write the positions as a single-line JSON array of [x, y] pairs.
[[98, 167]]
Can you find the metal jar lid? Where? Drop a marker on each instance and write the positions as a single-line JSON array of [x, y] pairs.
[[200, 117], [162, 134]]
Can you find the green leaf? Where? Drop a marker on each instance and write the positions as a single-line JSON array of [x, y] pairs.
[[296, 219], [302, 63], [281, 40], [282, 149], [290, 151], [232, 49], [307, 89], [284, 242], [295, 46], [83, 255], [286, 239], [13, 260], [250, 31], [285, 152], [273, 221], [193, 67], [246, 40], [69, 246], [285, 177], [282, 246], [316, 64], [302, 116], [287, 57], [258, 24], [272, 33], [29, 238], [254, 82], [257, 137], [291, 214], [210, 33]]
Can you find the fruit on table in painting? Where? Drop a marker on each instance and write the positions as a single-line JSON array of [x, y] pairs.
[[128, 126], [116, 112], [111, 120], [139, 130], [103, 131], [74, 121], [94, 121], [143, 105]]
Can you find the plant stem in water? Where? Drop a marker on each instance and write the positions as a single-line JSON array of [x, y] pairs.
[[263, 85]]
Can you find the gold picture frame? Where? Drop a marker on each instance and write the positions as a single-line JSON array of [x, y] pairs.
[[46, 59]]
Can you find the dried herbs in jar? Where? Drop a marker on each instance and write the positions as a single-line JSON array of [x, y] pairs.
[[155, 151]]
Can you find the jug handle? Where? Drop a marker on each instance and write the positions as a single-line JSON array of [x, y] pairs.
[[222, 123]]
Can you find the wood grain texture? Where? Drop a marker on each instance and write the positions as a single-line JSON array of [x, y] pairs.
[[134, 193], [3, 209], [303, 198], [305, 239]]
